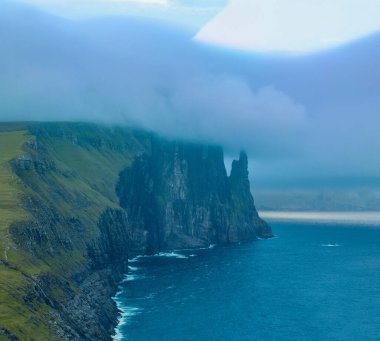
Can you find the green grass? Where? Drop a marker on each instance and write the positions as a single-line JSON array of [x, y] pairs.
[[11, 189], [88, 160], [92, 171], [14, 314], [10, 185], [32, 321]]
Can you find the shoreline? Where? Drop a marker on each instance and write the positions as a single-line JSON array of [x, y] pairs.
[[126, 312]]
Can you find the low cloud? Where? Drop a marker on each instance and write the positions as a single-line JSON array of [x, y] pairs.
[[226, 110], [299, 118], [125, 72]]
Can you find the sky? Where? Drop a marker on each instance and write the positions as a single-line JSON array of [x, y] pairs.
[[307, 120], [291, 26], [193, 14]]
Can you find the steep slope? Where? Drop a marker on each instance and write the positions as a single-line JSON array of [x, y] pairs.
[[244, 211], [66, 174], [181, 196], [14, 299], [67, 234]]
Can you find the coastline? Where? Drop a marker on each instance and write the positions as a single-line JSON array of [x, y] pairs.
[[126, 312]]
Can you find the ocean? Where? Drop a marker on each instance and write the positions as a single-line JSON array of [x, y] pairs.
[[313, 281]]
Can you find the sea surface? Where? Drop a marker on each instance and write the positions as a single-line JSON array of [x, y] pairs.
[[312, 282]]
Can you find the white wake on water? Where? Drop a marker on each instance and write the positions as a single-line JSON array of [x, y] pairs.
[[331, 245]]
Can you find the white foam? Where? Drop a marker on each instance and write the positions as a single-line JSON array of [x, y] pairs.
[[132, 277], [331, 245], [171, 255], [135, 259], [125, 314], [132, 268]]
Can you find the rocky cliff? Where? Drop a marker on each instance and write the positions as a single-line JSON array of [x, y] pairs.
[[85, 199], [179, 194]]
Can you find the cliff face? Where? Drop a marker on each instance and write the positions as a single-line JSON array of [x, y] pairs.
[[92, 197], [181, 196], [244, 210]]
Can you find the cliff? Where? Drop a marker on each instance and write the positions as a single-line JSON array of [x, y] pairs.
[[181, 196], [78, 200]]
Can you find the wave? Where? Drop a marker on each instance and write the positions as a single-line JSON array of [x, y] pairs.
[[133, 268], [331, 245], [125, 315], [132, 277], [171, 255], [135, 259], [126, 312]]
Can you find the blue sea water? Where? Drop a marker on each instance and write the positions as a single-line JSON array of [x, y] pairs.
[[312, 282]]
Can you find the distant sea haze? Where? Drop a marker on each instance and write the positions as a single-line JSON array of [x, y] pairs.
[[357, 218]]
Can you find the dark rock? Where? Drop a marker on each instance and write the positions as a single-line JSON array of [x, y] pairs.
[[9, 336], [180, 196], [27, 162]]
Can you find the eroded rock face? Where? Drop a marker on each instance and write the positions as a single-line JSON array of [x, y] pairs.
[[245, 216], [181, 196]]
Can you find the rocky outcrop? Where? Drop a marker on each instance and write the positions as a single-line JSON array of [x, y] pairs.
[[8, 335], [180, 196], [244, 211]]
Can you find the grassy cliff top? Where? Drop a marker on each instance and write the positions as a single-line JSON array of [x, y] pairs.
[[70, 169], [14, 315], [11, 144]]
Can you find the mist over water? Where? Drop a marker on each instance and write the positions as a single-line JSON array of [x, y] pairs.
[[342, 218]]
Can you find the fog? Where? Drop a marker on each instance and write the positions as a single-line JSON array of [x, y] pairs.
[[303, 120]]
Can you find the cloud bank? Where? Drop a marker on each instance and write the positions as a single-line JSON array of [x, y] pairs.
[[128, 72], [299, 118]]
